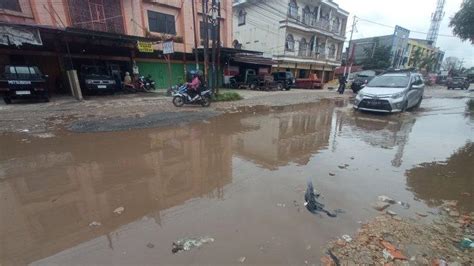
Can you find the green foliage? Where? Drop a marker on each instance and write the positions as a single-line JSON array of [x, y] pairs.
[[463, 21], [470, 105], [428, 63], [227, 97], [416, 59], [378, 58]]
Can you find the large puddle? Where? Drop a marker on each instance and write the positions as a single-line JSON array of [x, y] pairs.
[[239, 178]]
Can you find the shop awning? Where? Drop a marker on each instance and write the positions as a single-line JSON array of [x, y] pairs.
[[253, 59], [19, 35]]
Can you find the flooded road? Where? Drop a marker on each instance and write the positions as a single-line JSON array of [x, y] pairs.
[[238, 178]]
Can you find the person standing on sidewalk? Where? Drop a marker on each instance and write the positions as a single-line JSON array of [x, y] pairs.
[[342, 84]]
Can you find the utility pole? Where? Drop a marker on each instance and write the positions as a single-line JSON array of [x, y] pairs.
[[205, 18], [218, 46], [195, 35], [215, 21], [350, 51]]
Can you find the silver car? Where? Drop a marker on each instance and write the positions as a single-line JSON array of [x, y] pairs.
[[394, 91]]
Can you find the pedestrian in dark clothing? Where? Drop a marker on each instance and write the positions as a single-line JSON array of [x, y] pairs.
[[342, 84]]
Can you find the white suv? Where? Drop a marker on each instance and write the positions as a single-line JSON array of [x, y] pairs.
[[393, 91]]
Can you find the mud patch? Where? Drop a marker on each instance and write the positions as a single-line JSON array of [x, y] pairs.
[[147, 121]]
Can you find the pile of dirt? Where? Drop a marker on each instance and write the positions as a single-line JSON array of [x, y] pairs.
[[447, 239]]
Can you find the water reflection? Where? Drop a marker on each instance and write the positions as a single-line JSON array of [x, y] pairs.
[[53, 188], [382, 131], [451, 180], [279, 138]]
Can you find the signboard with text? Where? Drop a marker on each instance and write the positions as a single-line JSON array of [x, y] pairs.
[[168, 47], [145, 47]]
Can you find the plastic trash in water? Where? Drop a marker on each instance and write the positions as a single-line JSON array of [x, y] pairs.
[[389, 200], [189, 243], [311, 203], [467, 243]]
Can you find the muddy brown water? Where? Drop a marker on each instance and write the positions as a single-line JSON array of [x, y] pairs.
[[239, 178]]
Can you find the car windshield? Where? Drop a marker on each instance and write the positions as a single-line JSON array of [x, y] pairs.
[[94, 71], [389, 81]]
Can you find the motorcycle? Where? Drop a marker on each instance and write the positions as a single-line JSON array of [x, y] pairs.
[[148, 83], [181, 97]]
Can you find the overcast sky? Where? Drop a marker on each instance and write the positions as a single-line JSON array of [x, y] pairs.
[[414, 15]]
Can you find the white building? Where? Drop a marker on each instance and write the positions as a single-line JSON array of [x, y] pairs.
[[303, 36]]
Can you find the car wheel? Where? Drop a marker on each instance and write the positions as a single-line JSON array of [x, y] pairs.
[[405, 107], [418, 104], [253, 86], [279, 86], [7, 100]]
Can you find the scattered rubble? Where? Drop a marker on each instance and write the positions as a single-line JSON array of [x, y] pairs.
[[398, 241], [242, 259], [189, 243], [380, 205], [95, 224], [119, 210]]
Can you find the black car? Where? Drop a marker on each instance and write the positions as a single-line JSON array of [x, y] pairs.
[[96, 79], [284, 78], [359, 82], [458, 82], [23, 82]]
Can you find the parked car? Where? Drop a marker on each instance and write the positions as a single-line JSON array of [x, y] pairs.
[[96, 79], [23, 82], [393, 91], [285, 79], [359, 82], [458, 82]]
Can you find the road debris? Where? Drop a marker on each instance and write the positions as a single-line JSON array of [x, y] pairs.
[[312, 204], [150, 245], [380, 205], [95, 224], [332, 174], [391, 213], [281, 205], [400, 241], [389, 200], [119, 210], [242, 259], [347, 238], [189, 243]]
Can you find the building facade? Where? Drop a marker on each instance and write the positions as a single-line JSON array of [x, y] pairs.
[[422, 54], [359, 49], [132, 20], [302, 36]]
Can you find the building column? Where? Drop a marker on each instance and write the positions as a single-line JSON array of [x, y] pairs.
[[318, 16]]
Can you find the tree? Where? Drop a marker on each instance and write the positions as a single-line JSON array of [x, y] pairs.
[[416, 58], [377, 58], [463, 21], [429, 62], [451, 63]]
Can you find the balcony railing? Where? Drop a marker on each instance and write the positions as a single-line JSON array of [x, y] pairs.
[[320, 24], [308, 54]]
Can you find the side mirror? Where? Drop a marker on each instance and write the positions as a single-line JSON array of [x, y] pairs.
[[416, 87]]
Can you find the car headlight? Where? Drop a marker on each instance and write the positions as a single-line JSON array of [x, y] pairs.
[[397, 95]]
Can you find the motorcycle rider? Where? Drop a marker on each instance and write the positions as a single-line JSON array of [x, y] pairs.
[[194, 87]]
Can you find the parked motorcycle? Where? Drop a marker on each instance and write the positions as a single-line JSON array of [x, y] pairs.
[[148, 83], [181, 97]]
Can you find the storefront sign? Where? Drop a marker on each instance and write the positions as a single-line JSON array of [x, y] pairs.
[[17, 35], [145, 47], [168, 47]]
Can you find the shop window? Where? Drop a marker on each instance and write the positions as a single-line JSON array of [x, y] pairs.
[[162, 23], [13, 5], [242, 17]]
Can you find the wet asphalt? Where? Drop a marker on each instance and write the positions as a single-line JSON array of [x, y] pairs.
[[239, 178]]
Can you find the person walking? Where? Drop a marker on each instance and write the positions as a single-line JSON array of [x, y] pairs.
[[342, 84]]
